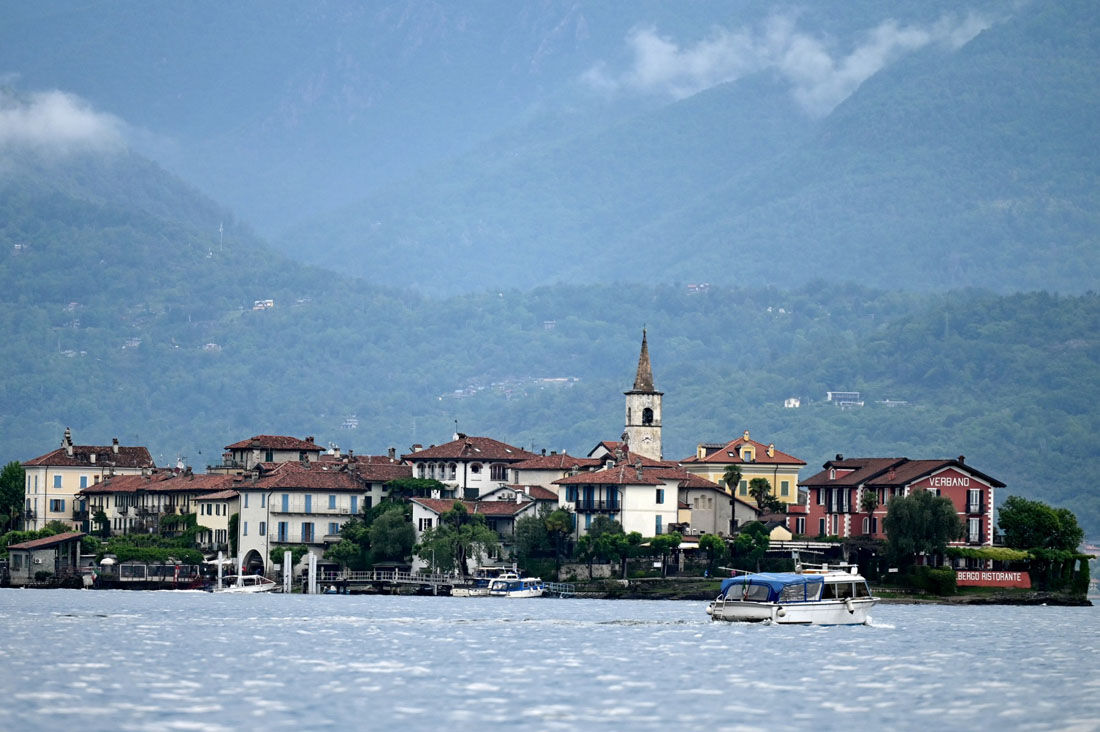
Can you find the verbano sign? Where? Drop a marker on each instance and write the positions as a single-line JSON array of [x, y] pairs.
[[992, 578]]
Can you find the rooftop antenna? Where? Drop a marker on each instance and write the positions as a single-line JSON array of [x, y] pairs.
[[221, 236]]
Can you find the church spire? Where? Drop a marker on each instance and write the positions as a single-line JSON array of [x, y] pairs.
[[644, 379]]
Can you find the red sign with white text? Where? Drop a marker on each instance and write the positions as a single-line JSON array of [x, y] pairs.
[[992, 578]]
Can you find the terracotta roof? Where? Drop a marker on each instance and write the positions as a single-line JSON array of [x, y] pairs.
[[380, 473], [619, 475], [317, 476], [912, 471], [537, 492], [105, 456], [275, 442], [162, 481], [721, 454], [47, 541], [472, 448], [226, 495], [485, 508], [861, 470], [561, 461]]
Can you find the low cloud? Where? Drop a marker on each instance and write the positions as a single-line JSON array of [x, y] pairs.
[[820, 77], [55, 122]]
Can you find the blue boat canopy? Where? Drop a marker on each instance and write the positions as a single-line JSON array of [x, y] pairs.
[[776, 582]]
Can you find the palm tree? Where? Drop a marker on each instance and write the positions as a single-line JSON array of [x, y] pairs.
[[732, 476]]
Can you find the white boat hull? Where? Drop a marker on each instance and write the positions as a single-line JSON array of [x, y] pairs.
[[469, 592], [825, 612], [534, 592]]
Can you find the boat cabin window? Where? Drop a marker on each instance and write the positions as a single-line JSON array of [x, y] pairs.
[[839, 591], [801, 592], [750, 593], [862, 590]]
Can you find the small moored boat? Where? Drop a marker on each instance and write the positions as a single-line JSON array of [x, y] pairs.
[[247, 584], [814, 596], [510, 584]]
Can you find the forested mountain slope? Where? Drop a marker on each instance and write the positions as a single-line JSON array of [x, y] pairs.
[[955, 166], [122, 320]]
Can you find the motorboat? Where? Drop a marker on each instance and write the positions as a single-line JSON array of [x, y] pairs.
[[511, 584], [823, 595], [247, 584], [478, 584]]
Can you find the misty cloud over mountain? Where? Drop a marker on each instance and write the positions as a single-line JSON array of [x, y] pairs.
[[56, 123], [820, 74]]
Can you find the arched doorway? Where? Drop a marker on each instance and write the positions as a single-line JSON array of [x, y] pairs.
[[253, 563]]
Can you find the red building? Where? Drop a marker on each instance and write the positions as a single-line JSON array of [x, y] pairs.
[[834, 504]]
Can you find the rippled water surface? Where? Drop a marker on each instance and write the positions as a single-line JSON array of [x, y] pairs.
[[121, 660]]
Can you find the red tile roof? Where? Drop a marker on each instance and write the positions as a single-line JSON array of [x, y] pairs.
[[47, 541], [316, 476], [619, 475], [721, 454], [536, 492], [861, 470], [226, 495], [887, 472], [276, 442], [162, 481], [486, 508], [105, 456], [560, 461], [472, 448]]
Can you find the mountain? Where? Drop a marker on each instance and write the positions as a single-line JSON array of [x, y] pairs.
[[126, 314], [959, 166]]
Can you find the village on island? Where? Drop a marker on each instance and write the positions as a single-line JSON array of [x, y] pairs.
[[438, 515]]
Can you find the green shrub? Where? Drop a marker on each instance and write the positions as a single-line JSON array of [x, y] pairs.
[[942, 582], [42, 575]]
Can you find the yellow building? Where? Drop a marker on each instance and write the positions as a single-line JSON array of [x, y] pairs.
[[53, 480], [754, 460]]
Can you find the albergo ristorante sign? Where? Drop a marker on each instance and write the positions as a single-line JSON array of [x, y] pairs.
[[992, 578]]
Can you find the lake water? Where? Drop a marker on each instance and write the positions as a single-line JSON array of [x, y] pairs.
[[118, 660]]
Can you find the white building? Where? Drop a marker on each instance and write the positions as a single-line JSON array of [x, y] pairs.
[[473, 466]]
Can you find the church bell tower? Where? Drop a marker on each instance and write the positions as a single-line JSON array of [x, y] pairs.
[[643, 410]]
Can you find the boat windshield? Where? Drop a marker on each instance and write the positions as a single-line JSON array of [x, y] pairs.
[[773, 587]]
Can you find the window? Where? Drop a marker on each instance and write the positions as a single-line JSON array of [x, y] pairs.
[[420, 470], [269, 456], [453, 469], [746, 456], [307, 532], [354, 505], [244, 528], [309, 503], [263, 500], [498, 471], [743, 487], [57, 505], [866, 525], [367, 502], [83, 482], [333, 528], [95, 479], [263, 528], [659, 524], [332, 503], [800, 525], [587, 521], [647, 417], [246, 500], [301, 456], [821, 527], [475, 468], [424, 524], [821, 496], [571, 493], [832, 473], [660, 497], [974, 500], [431, 470], [974, 530], [286, 502], [785, 488], [57, 481], [282, 535]]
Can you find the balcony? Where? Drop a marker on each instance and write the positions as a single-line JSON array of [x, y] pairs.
[[592, 504], [976, 507], [80, 514]]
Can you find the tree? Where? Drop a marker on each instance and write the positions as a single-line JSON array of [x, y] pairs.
[[761, 491], [391, 536], [414, 487], [623, 547], [101, 524], [559, 525], [234, 526], [732, 477], [532, 540], [868, 502], [1035, 525], [920, 523], [751, 543], [297, 551], [12, 478], [663, 545], [459, 535], [715, 549]]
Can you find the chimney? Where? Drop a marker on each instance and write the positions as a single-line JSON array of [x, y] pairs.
[[527, 489], [391, 453], [638, 470], [839, 456], [771, 449], [746, 435], [310, 439], [544, 452], [417, 447], [962, 459], [91, 457], [351, 455], [114, 446], [67, 442], [554, 452]]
